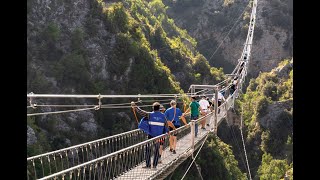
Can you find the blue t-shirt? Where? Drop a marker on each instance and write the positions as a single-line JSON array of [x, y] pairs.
[[157, 123], [170, 114]]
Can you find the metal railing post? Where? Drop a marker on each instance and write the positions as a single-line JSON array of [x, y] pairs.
[[192, 126], [215, 112]]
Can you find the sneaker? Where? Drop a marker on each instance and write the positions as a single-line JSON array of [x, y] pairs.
[[146, 167], [174, 152], [159, 160]]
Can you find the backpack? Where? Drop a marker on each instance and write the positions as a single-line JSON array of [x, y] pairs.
[[144, 125]]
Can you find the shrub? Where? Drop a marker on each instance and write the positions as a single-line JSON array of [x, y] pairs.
[[270, 90], [52, 32], [262, 106]]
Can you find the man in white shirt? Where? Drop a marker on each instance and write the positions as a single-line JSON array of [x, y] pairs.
[[204, 104]]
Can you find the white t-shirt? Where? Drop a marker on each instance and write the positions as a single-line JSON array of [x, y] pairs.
[[220, 97], [204, 104]]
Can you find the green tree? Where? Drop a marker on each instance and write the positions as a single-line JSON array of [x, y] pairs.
[[118, 18], [157, 7], [216, 160], [272, 168]]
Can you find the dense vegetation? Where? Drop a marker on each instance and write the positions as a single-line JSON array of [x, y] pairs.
[[138, 50], [216, 161], [133, 47], [220, 17], [268, 128], [209, 21]]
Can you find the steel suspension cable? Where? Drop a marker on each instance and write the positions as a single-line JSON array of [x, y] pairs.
[[101, 96], [57, 112], [195, 157], [235, 141], [244, 147], [63, 105]]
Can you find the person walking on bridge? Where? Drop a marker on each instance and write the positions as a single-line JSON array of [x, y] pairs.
[[157, 126], [204, 104], [194, 108], [173, 114], [221, 99]]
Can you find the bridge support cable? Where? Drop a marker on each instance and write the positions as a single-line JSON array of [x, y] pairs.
[[32, 95], [235, 141], [199, 170], [244, 147], [91, 107], [66, 111], [195, 157]]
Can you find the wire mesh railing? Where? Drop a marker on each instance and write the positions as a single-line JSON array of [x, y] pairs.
[[127, 162], [48, 163]]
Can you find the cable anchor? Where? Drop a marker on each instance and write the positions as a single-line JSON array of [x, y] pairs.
[[33, 105], [99, 103], [139, 100]]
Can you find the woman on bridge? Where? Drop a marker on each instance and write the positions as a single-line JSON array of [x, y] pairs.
[[173, 114]]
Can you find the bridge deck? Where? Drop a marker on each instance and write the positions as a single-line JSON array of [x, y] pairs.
[[183, 145]]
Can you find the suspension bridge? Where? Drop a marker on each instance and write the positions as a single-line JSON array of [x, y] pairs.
[[122, 156]]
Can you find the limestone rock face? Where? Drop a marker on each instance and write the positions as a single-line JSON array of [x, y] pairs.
[[209, 21], [31, 136], [274, 111]]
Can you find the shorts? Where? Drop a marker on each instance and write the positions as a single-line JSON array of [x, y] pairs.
[[194, 117], [170, 129]]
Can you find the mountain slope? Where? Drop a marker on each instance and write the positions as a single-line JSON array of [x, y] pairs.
[[209, 22], [268, 123], [92, 47]]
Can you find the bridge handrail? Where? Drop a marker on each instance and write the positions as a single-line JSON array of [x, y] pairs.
[[123, 150], [84, 144]]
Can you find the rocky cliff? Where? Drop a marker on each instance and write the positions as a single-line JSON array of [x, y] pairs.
[[210, 21], [267, 121], [107, 47]]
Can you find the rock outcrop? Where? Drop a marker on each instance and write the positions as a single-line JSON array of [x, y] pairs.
[[31, 136], [209, 22]]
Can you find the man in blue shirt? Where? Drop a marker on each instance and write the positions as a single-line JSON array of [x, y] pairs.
[[157, 126], [173, 114]]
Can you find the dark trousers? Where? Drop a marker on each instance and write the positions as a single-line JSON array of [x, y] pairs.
[[231, 91], [194, 117], [219, 103], [149, 150]]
